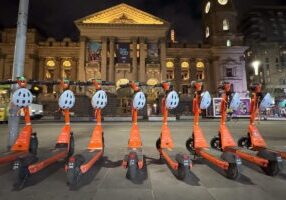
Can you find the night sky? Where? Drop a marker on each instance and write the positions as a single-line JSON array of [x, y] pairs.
[[54, 18]]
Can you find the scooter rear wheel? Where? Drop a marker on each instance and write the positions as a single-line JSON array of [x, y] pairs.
[[33, 144], [233, 171], [132, 168], [183, 171], [190, 145], [74, 175], [272, 168]]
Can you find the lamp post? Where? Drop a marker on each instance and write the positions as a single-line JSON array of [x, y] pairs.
[[255, 64]]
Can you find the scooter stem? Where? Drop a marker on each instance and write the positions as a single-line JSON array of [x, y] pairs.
[[66, 113], [223, 109], [164, 112], [98, 116], [27, 115], [253, 109], [134, 115]]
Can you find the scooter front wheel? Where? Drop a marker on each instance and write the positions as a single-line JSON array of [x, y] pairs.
[[243, 142], [215, 143], [158, 143], [190, 145]]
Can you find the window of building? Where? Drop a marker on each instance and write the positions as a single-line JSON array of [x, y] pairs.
[[277, 60], [229, 72], [185, 89], [50, 73], [267, 66], [67, 74], [228, 43], [207, 32], [170, 74], [225, 25], [267, 60], [200, 75], [185, 75]]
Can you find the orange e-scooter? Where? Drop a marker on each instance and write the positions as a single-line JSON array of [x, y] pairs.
[[26, 166], [180, 163], [270, 162], [197, 144], [27, 141], [134, 160], [254, 140], [80, 164]]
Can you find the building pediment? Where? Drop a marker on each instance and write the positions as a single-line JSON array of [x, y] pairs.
[[122, 14]]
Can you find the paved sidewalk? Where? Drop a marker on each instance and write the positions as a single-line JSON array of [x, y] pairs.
[[107, 180]]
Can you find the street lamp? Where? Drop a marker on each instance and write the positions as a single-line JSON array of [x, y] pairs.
[[255, 65]]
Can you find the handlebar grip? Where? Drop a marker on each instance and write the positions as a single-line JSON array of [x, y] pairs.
[[107, 83]]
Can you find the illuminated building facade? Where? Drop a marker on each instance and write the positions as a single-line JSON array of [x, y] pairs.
[[123, 43]]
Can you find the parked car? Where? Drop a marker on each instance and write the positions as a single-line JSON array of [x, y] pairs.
[[36, 111]]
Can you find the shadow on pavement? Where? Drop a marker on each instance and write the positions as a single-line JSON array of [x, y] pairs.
[[45, 173], [89, 176], [190, 179], [242, 179]]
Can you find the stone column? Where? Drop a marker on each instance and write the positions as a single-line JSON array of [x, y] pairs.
[[142, 68], [207, 73], [81, 63], [1, 67], [41, 69], [193, 70], [111, 73], [163, 58], [134, 58], [178, 72], [103, 58], [74, 63], [216, 74]]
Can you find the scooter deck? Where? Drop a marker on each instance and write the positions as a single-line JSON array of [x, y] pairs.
[[248, 155], [47, 159], [211, 157], [9, 157], [90, 157]]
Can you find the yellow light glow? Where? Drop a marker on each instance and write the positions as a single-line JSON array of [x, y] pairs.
[[152, 81], [122, 13], [200, 64], [50, 63], [170, 64], [185, 64], [122, 81], [66, 63]]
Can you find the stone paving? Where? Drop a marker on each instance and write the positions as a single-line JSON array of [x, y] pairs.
[[107, 179]]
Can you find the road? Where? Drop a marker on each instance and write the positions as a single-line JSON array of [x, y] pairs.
[[107, 180]]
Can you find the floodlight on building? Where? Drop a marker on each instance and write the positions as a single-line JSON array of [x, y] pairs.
[[255, 64]]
